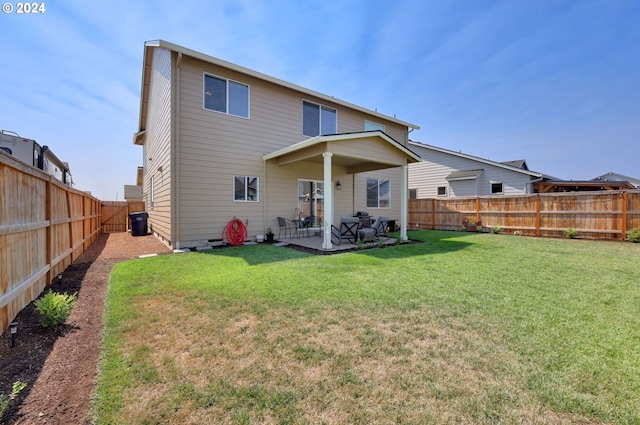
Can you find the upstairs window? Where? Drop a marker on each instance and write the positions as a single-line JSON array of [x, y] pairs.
[[371, 126], [378, 193], [496, 188], [226, 96], [318, 120], [442, 190]]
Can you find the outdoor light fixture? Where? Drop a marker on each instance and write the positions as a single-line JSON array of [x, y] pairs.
[[59, 277], [14, 330], [338, 185]]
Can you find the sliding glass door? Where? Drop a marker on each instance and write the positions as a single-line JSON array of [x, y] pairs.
[[311, 199]]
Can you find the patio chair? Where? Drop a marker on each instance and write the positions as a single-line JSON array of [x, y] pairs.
[[287, 226], [347, 230], [380, 226], [312, 222]]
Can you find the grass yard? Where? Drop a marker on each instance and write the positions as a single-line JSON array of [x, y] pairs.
[[460, 329]]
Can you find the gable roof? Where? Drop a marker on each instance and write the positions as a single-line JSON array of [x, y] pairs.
[[150, 45], [506, 166], [518, 163], [344, 136], [354, 151], [611, 176]]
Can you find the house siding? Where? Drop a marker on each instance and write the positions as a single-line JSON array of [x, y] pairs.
[[157, 146], [213, 147], [428, 175]]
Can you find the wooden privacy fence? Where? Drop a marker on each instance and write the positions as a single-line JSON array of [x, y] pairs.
[[44, 227], [595, 215], [115, 215]]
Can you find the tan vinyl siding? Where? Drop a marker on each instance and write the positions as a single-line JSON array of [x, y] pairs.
[[381, 152], [213, 147], [394, 175], [157, 148]]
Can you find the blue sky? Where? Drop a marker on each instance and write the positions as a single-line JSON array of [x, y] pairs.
[[554, 82]]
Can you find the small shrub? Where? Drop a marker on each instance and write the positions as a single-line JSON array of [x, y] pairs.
[[570, 233], [5, 400], [633, 235], [496, 229], [361, 243], [55, 308]]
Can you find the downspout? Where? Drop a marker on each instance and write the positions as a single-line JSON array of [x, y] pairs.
[[531, 183], [175, 169], [265, 196]]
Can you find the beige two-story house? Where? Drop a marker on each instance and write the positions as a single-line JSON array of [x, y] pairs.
[[221, 141]]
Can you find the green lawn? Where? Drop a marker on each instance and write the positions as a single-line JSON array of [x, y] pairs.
[[461, 329]]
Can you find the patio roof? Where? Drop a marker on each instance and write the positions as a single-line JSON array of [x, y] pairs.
[[358, 152]]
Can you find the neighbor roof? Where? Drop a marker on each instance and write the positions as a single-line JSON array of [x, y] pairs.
[[506, 166]]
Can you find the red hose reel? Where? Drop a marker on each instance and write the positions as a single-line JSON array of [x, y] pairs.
[[235, 232]]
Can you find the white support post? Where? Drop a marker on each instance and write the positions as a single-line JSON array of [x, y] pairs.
[[328, 201], [404, 203]]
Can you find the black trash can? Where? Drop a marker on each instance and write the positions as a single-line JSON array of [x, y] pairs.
[[139, 223]]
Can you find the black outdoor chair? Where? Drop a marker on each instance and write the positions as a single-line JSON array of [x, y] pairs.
[[287, 226], [347, 230], [312, 222]]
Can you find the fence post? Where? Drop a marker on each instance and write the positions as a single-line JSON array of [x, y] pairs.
[[433, 213], [49, 237], [538, 215], [477, 208], [71, 217], [624, 215]]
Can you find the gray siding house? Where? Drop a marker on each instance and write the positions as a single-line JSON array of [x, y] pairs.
[[446, 173], [221, 142]]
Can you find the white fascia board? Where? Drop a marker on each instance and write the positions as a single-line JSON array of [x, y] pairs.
[[339, 137]]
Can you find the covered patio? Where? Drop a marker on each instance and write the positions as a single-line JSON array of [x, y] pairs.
[[315, 243], [340, 155]]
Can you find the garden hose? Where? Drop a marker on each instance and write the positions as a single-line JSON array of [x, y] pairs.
[[235, 232]]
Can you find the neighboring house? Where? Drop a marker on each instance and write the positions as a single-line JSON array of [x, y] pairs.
[[446, 173], [611, 176], [132, 193], [222, 141]]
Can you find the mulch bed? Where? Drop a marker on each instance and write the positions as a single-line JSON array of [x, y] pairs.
[[60, 364]]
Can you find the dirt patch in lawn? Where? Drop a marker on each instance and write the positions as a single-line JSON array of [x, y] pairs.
[[60, 364]]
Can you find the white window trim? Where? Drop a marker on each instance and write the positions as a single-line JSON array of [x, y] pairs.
[[151, 192], [445, 191], [379, 207], [320, 117], [374, 123], [233, 189], [491, 188], [204, 102]]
